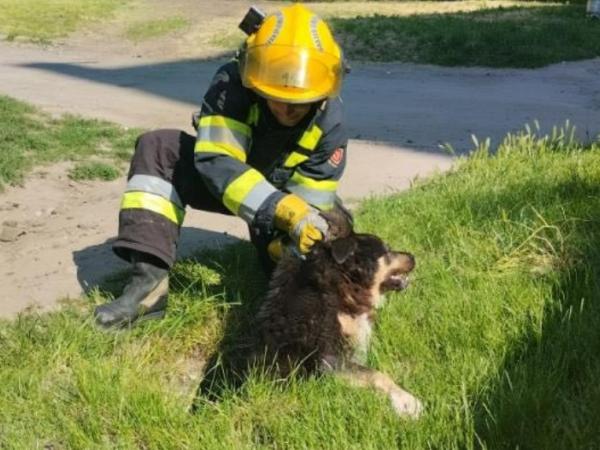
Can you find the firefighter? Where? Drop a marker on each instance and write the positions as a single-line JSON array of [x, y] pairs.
[[270, 148]]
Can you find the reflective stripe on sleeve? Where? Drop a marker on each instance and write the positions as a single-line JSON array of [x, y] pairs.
[[308, 141], [319, 193], [154, 185], [154, 203], [225, 136], [225, 122], [310, 138], [223, 149], [294, 159], [246, 194], [219, 134]]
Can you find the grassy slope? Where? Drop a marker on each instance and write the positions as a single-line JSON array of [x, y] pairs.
[[30, 138], [498, 333], [44, 20], [153, 29], [531, 36]]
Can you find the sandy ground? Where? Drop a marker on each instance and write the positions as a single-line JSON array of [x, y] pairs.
[[55, 234]]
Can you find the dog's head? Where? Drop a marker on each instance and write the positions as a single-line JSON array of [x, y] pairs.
[[364, 258]]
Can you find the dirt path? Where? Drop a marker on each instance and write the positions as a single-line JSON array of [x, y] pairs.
[[55, 235]]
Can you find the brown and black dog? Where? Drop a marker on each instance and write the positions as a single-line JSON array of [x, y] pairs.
[[319, 311]]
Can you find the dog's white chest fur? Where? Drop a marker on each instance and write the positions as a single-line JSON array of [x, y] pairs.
[[363, 338], [357, 329]]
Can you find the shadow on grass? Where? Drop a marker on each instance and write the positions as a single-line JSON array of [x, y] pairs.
[[243, 285], [546, 395], [524, 37], [229, 278], [97, 265]]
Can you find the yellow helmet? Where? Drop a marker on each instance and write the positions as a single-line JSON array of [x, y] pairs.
[[292, 58]]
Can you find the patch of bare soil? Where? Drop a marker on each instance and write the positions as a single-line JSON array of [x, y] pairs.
[[41, 224], [211, 26], [56, 235]]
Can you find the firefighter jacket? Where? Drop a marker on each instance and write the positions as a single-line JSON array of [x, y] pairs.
[[249, 161]]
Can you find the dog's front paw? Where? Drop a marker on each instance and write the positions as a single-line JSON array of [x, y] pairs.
[[405, 404]]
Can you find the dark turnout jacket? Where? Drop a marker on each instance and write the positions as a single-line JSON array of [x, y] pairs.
[[249, 161]]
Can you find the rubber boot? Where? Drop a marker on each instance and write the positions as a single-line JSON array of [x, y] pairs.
[[144, 297]]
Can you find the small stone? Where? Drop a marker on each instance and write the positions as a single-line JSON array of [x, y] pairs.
[[9, 206], [9, 234]]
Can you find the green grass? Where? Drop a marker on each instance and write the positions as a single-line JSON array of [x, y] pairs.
[[501, 37], [229, 40], [29, 138], [153, 29], [44, 20], [499, 333], [94, 170]]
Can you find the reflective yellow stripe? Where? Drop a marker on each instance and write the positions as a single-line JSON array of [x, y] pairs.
[[318, 185], [224, 136], [310, 138], [325, 206], [253, 115], [324, 200], [220, 147], [294, 159], [222, 121], [154, 203], [239, 188]]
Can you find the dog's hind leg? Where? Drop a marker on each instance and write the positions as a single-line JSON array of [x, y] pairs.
[[404, 403]]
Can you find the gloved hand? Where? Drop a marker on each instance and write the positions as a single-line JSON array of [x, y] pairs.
[[282, 246], [300, 221]]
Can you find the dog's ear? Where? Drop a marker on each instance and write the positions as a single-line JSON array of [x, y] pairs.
[[342, 249], [340, 223]]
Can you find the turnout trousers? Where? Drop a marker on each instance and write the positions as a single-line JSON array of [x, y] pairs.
[[161, 183]]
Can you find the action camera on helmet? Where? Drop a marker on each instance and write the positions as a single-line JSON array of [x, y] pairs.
[[252, 21]]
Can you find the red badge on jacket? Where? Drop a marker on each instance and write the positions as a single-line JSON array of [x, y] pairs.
[[337, 157]]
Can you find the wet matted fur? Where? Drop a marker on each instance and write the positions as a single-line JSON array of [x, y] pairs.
[[319, 311]]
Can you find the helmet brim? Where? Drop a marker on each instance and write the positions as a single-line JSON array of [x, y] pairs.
[[291, 74]]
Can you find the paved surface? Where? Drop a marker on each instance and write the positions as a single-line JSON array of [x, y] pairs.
[[399, 116]]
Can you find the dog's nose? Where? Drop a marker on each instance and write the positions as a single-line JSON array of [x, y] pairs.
[[410, 261]]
